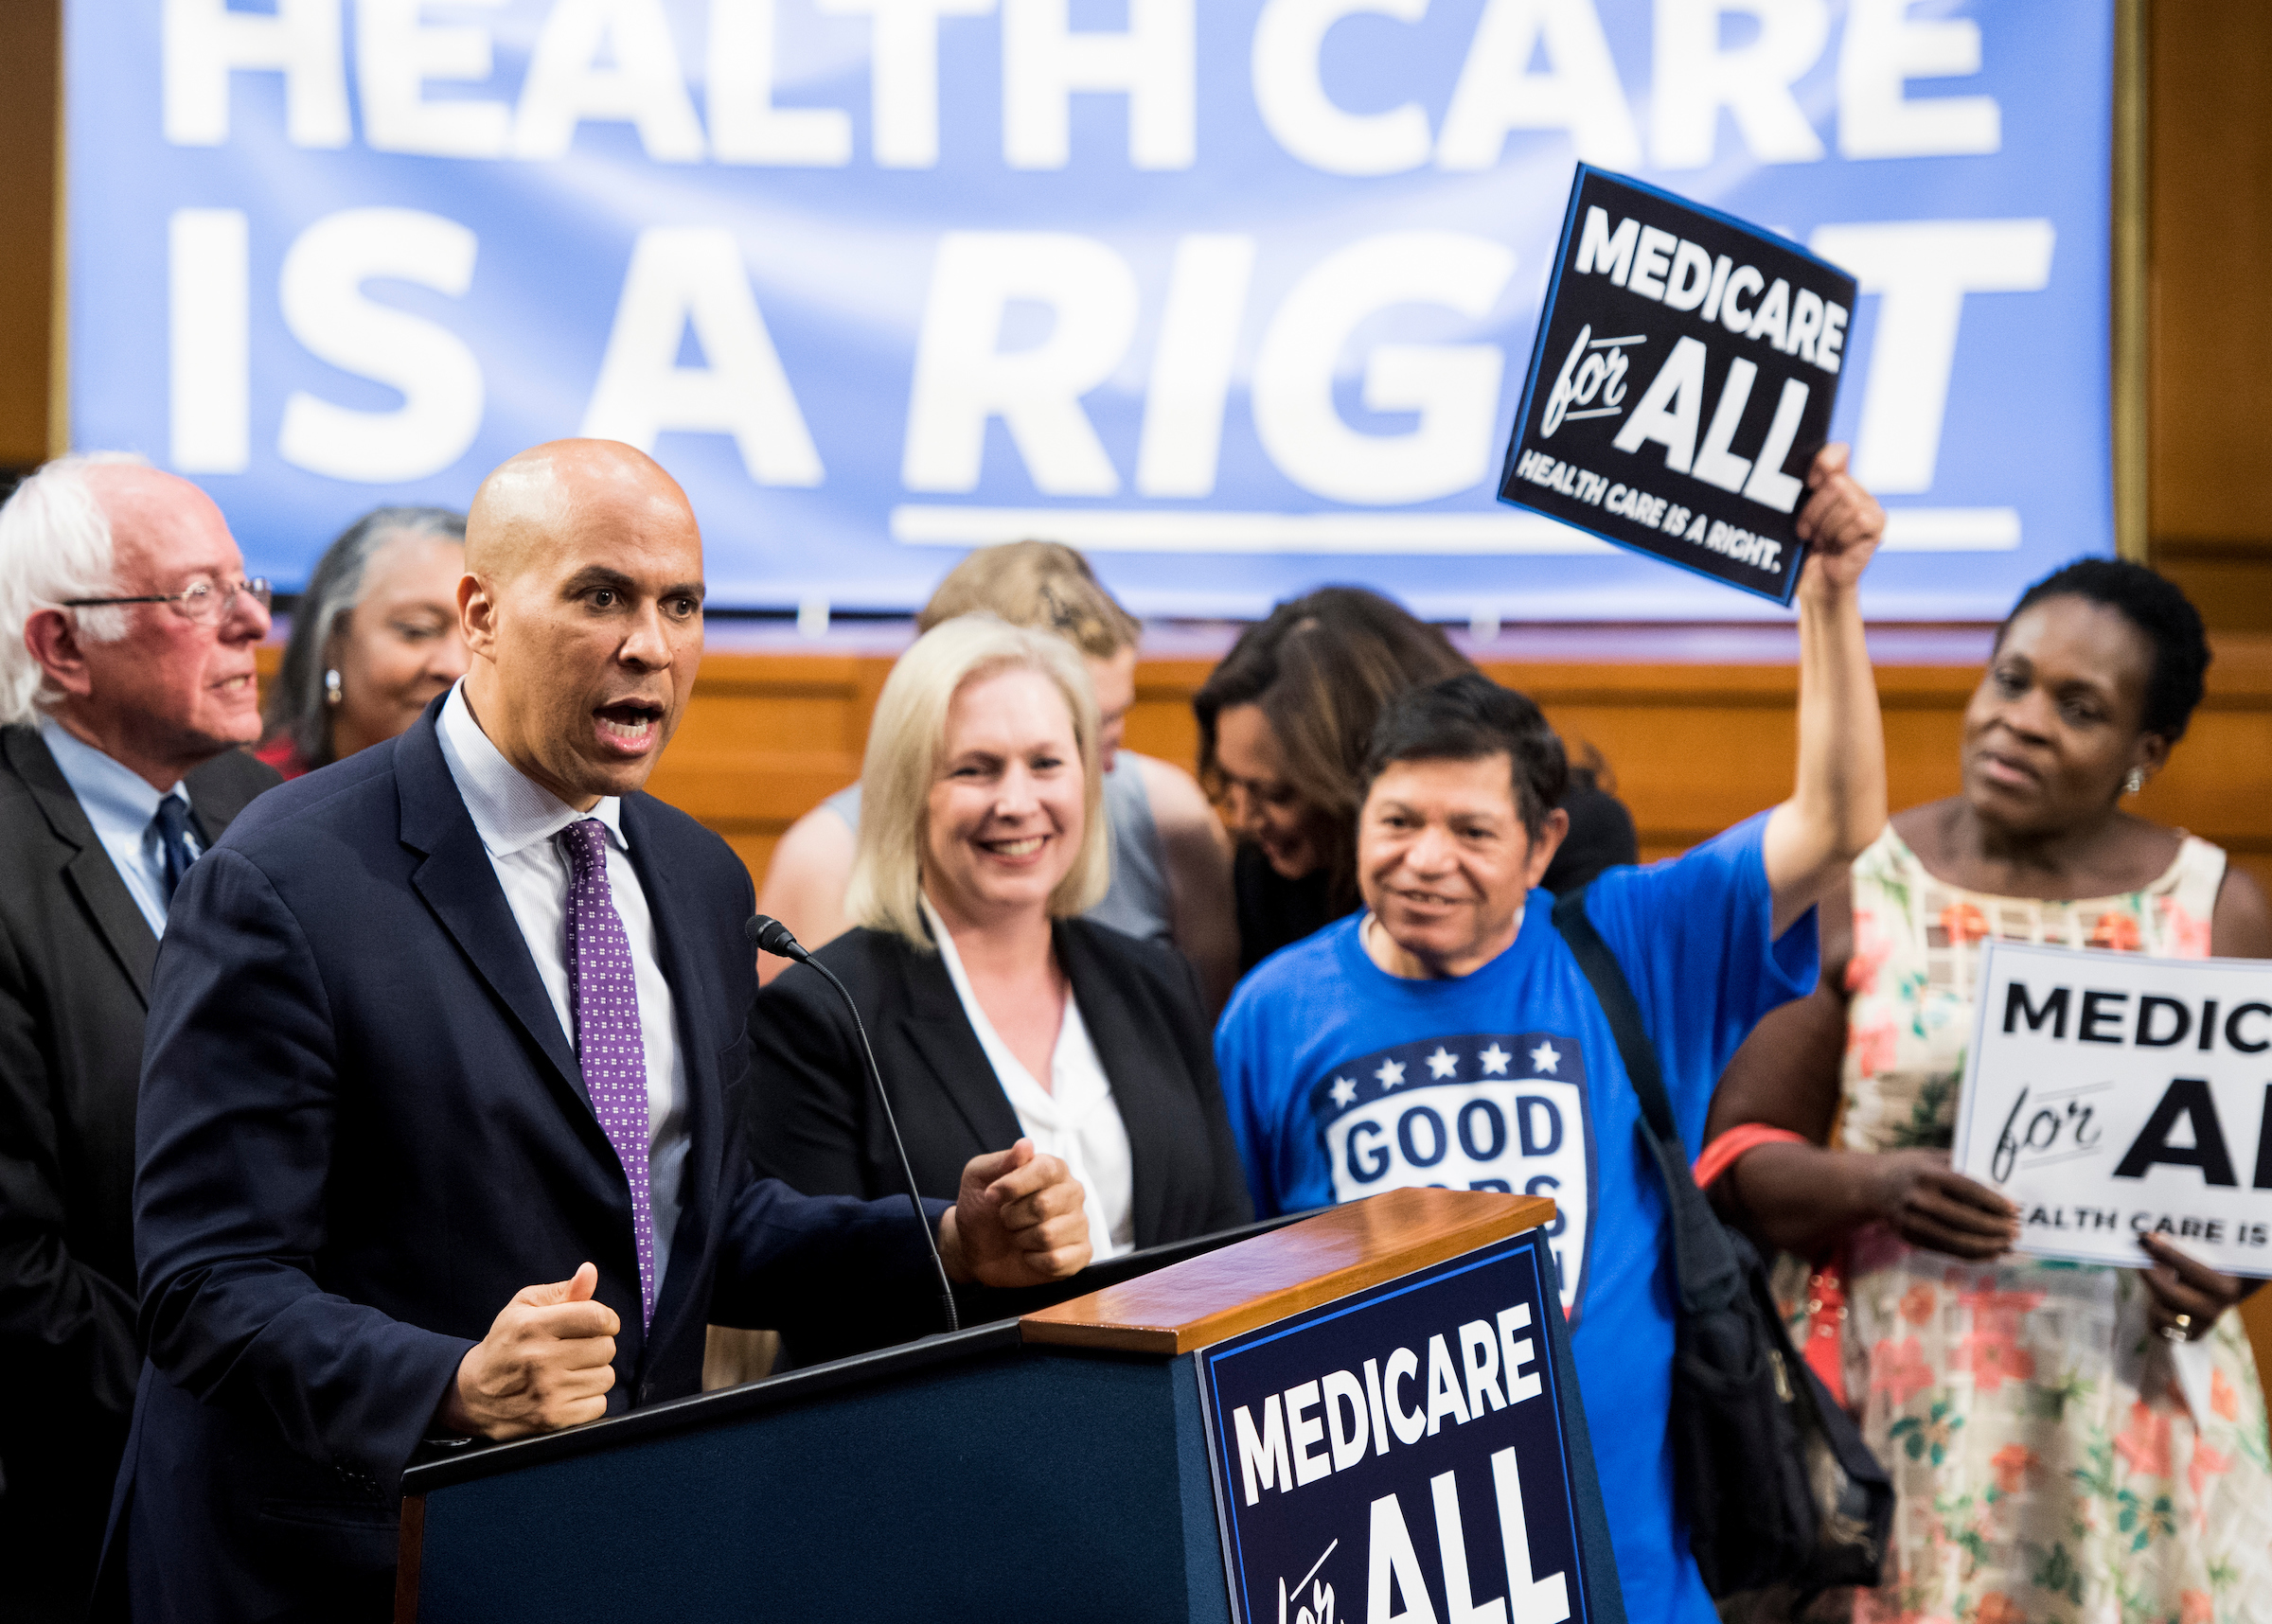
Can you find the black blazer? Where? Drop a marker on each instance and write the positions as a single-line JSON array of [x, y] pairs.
[[363, 1130], [814, 1123], [75, 961]]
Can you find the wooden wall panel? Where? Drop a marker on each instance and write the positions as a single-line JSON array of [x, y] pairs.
[[1690, 747], [1160, 723], [2209, 328], [765, 739], [29, 35]]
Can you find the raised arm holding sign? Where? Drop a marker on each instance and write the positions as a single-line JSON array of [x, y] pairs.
[[1840, 788]]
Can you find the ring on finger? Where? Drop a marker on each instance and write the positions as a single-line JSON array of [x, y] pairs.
[[2180, 1328]]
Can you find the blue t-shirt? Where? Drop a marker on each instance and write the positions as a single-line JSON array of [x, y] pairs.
[[1344, 1080]]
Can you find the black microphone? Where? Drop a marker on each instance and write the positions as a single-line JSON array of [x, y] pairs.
[[768, 935]]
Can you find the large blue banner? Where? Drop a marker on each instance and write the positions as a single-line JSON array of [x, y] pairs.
[[1236, 295]]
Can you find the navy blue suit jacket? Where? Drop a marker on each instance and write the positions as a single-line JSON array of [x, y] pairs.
[[362, 1130]]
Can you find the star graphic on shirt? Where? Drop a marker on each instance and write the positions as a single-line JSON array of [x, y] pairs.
[[1543, 1058], [1495, 1061], [1443, 1063], [1390, 1074], [1344, 1092]]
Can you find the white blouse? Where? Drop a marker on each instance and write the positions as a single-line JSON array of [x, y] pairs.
[[1076, 1119]]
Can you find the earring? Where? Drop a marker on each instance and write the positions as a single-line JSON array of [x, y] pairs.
[[332, 692], [2136, 782]]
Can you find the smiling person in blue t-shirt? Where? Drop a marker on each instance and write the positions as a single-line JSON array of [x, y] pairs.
[[1445, 1035]]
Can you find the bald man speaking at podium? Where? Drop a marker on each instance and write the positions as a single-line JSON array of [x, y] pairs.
[[437, 1133]]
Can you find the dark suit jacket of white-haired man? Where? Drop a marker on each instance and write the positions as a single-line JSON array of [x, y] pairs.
[[108, 713]]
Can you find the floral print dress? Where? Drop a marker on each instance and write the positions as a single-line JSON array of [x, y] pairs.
[[2046, 1468]]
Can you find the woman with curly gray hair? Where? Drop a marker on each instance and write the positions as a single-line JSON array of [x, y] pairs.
[[374, 639]]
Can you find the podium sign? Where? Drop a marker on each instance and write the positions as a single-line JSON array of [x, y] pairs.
[[1682, 381], [1406, 1440]]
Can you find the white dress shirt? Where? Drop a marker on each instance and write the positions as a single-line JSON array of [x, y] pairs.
[[122, 806], [517, 820], [1076, 1119]]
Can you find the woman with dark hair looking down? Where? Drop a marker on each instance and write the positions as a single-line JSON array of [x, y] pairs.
[[1284, 724], [2035, 1416]]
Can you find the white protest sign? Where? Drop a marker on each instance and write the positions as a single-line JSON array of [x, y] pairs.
[[2111, 1095]]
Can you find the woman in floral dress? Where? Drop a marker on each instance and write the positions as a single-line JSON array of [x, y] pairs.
[[2048, 1464]]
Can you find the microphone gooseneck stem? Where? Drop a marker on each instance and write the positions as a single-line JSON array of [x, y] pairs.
[[899, 1145]]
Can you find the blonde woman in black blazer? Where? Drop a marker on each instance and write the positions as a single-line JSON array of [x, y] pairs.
[[994, 1011]]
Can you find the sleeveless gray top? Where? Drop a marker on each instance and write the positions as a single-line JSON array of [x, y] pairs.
[[1137, 902]]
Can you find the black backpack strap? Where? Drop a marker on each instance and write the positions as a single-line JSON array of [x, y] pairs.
[[1615, 994], [1705, 1265]]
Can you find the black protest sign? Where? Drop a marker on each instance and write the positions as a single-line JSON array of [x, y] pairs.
[[1419, 1442], [1683, 379]]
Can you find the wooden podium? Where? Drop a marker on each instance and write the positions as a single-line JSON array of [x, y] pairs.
[[1135, 1453]]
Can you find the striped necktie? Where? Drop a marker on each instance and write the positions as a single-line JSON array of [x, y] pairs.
[[603, 995], [175, 850]]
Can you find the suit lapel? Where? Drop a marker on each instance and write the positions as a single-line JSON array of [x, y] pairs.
[[223, 788], [459, 883], [679, 952], [92, 874], [1129, 1055], [939, 1032]]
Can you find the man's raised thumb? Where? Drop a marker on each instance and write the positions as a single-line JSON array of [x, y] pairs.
[[578, 1287], [996, 1164]]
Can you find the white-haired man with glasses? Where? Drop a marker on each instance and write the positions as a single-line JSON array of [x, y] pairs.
[[127, 630]]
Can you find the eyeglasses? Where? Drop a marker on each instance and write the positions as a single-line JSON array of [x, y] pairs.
[[202, 601]]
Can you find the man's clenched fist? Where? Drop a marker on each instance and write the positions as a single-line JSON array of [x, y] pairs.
[[1018, 1220], [544, 1365]]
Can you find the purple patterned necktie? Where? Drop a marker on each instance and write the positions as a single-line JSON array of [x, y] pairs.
[[604, 998]]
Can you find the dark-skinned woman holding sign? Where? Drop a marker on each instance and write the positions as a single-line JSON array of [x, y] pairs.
[[2048, 1460]]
